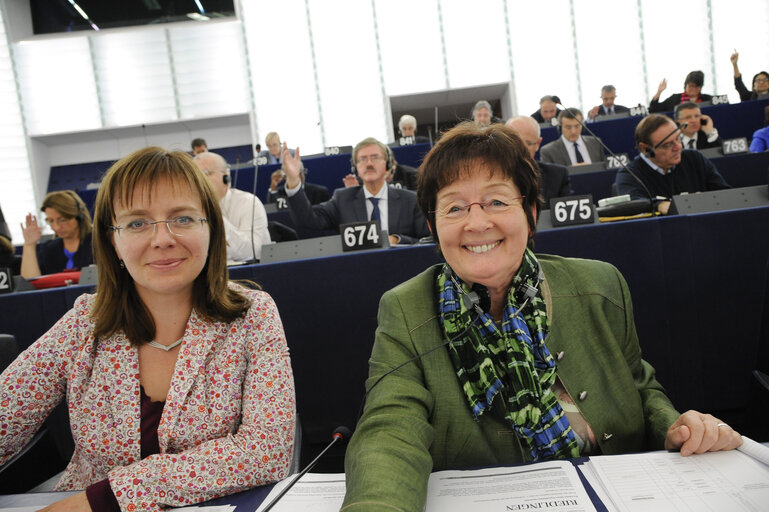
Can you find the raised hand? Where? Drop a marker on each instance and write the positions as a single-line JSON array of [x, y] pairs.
[[31, 230]]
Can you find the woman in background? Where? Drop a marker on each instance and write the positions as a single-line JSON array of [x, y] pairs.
[[68, 216], [760, 81], [178, 381]]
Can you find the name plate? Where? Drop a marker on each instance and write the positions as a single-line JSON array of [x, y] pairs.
[[640, 110], [261, 160], [281, 203], [620, 160], [407, 141], [331, 150], [572, 210], [723, 99], [360, 235], [735, 146], [6, 280]]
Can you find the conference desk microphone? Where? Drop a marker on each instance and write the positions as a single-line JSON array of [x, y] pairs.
[[341, 433], [560, 107]]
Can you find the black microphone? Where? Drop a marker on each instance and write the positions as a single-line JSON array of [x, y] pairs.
[[604, 146], [253, 209], [341, 433]]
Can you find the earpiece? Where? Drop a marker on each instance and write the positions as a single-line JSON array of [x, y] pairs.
[[74, 197], [649, 152], [226, 179]]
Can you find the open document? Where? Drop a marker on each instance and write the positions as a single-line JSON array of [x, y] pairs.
[[316, 492], [552, 486], [666, 481]]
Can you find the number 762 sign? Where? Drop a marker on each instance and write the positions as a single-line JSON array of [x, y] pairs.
[[571, 210]]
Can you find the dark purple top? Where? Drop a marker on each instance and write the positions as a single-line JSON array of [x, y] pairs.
[[100, 495]]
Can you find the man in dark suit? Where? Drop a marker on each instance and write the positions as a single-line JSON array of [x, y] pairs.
[[315, 193], [547, 109], [396, 209], [553, 178], [572, 148], [607, 107], [697, 130]]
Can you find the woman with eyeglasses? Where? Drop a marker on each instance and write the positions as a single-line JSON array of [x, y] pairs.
[[68, 216], [501, 356], [760, 81], [178, 381]]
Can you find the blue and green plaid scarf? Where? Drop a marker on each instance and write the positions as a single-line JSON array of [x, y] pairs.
[[511, 363]]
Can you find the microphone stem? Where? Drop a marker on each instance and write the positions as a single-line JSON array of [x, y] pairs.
[[302, 473]]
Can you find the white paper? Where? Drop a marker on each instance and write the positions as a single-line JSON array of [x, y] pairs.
[[204, 508], [318, 492], [664, 481], [755, 450], [552, 486]]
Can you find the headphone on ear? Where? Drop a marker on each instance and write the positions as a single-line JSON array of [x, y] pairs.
[[226, 179], [74, 197], [649, 153]]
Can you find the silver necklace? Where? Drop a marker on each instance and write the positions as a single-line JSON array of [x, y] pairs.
[[175, 344]]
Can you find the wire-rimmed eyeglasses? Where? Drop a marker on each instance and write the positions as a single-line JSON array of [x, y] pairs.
[[177, 226], [493, 207]]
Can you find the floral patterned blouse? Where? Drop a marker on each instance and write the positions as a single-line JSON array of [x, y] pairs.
[[228, 422]]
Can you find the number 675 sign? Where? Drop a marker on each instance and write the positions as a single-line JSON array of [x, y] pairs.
[[571, 210]]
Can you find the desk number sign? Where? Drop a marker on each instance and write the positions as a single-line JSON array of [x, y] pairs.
[[734, 146], [572, 210], [360, 235], [615, 161], [281, 203], [6, 280]]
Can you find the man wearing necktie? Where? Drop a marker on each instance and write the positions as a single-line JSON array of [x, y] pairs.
[[607, 107], [572, 148], [395, 208], [697, 129]]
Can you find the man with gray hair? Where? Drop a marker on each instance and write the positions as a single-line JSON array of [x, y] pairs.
[[607, 106], [245, 220], [553, 178], [407, 127], [482, 113], [547, 109]]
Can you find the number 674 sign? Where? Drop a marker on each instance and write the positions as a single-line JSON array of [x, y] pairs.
[[571, 210]]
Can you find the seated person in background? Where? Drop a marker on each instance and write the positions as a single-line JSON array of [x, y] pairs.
[[567, 324], [396, 209], [547, 109], [553, 178], [315, 193], [400, 176], [607, 107], [697, 130], [692, 92], [664, 166], [177, 380], [68, 216], [572, 148], [273, 153], [8, 256], [760, 81], [243, 214], [407, 128], [199, 146], [760, 140], [482, 113]]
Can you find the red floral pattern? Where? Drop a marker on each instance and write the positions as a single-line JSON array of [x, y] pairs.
[[228, 422]]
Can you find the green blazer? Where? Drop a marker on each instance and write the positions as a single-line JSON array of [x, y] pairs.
[[417, 420]]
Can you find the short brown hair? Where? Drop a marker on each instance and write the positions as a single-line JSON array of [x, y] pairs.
[[467, 145], [69, 205], [117, 304], [647, 126]]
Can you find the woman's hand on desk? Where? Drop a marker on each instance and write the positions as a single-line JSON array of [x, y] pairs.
[[694, 432], [75, 503]]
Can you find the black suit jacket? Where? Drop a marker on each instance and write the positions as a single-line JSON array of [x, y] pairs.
[[349, 205], [671, 102], [315, 193], [702, 141], [405, 176], [618, 109], [553, 182]]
